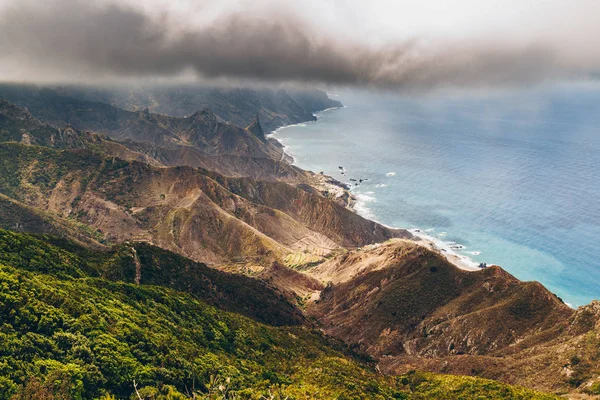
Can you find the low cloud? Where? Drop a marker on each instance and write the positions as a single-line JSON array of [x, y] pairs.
[[72, 40]]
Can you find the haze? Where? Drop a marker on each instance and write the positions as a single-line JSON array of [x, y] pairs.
[[395, 44]]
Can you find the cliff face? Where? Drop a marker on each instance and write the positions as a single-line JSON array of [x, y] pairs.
[[313, 100], [200, 141], [238, 106]]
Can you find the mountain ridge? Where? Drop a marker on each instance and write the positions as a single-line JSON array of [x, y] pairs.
[[360, 282], [74, 335]]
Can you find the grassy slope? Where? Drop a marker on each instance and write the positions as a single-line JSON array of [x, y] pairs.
[[19, 217], [66, 331], [230, 292]]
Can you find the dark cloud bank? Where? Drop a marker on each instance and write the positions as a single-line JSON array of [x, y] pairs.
[[74, 40]]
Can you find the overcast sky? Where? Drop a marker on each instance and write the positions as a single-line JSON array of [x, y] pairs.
[[391, 44]]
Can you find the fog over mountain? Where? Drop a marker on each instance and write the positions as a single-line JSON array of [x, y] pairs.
[[474, 44]]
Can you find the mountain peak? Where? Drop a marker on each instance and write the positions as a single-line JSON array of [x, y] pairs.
[[256, 129], [205, 114]]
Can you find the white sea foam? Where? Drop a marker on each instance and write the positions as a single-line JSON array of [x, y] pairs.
[[327, 109], [366, 197], [361, 205], [448, 249], [276, 131], [474, 253]]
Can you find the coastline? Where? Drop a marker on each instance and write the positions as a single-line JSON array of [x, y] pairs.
[[344, 193]]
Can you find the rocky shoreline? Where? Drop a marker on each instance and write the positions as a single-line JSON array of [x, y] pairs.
[[341, 193]]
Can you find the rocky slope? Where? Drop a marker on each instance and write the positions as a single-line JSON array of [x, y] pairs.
[[410, 308], [197, 213], [78, 324]]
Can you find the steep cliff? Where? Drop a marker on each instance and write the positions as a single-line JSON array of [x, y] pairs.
[[239, 106]]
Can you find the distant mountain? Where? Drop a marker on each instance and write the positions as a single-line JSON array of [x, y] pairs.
[[18, 125], [197, 141], [201, 130], [238, 106]]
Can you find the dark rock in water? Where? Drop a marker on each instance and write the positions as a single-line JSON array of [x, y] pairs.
[[353, 180]]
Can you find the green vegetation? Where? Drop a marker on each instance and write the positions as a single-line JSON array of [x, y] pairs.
[[63, 259], [67, 333], [138, 321]]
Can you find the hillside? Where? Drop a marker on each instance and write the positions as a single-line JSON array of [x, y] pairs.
[[196, 213], [410, 308], [199, 141], [146, 214], [83, 337], [19, 217], [239, 106], [144, 264]]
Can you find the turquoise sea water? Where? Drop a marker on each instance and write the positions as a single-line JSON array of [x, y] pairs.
[[512, 176]]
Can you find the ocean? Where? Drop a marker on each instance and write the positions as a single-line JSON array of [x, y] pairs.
[[512, 177]]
